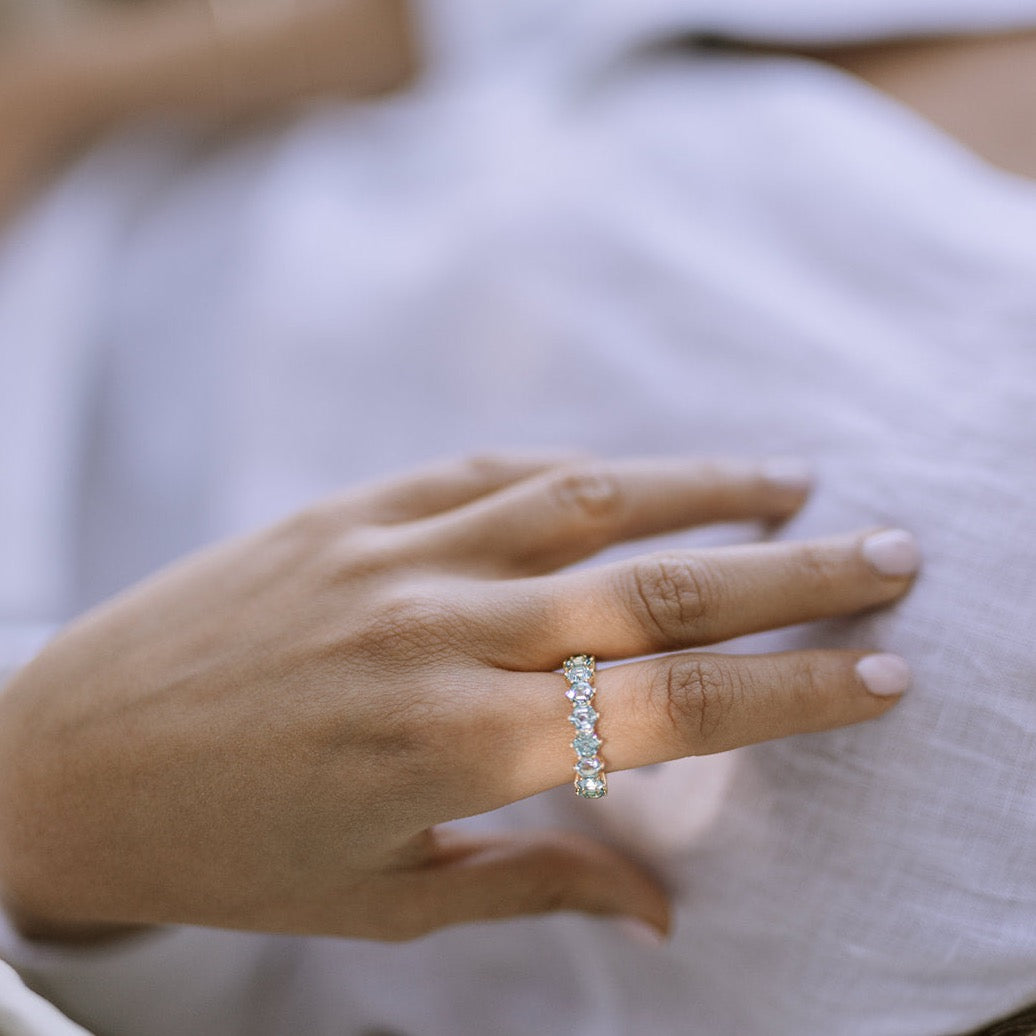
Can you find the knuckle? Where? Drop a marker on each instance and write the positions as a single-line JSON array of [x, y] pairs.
[[588, 496], [546, 881], [314, 524], [700, 697], [411, 622], [806, 686], [360, 553], [482, 467], [670, 597], [818, 567], [553, 892]]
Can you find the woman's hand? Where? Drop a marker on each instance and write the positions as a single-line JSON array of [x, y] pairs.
[[266, 735]]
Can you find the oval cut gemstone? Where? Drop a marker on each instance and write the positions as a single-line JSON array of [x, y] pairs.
[[579, 662], [583, 718], [586, 744], [591, 787], [581, 692]]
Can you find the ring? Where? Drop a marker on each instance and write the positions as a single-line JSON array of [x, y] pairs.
[[591, 781]]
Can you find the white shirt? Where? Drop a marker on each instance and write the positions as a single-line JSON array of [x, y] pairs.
[[693, 253]]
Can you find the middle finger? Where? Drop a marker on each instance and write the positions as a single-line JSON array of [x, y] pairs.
[[675, 600]]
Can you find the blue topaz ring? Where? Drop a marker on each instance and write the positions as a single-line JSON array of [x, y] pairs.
[[591, 781]]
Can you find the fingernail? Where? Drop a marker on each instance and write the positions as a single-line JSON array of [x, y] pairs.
[[789, 473], [642, 933], [884, 675], [893, 552]]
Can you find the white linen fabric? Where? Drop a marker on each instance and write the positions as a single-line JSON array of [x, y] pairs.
[[552, 246], [23, 1013]]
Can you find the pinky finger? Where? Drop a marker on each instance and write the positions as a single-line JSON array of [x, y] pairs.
[[469, 879]]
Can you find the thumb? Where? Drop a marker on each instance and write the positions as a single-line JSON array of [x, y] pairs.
[[465, 879]]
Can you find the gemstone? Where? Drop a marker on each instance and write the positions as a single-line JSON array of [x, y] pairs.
[[579, 692], [579, 667], [583, 660], [583, 718], [589, 767], [592, 787], [586, 744]]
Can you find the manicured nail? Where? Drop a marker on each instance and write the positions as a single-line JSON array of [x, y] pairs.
[[642, 933], [884, 675], [892, 552], [788, 473]]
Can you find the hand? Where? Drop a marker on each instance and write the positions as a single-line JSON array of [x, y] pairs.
[[266, 735]]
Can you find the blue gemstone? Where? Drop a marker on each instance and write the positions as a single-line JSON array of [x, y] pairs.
[[591, 787], [586, 744], [579, 692]]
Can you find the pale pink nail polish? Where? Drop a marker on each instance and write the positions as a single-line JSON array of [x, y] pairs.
[[892, 552], [884, 675]]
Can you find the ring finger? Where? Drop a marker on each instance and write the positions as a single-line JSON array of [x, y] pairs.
[[696, 704]]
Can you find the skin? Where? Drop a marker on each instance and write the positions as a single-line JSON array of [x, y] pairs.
[[271, 734], [57, 94], [979, 89]]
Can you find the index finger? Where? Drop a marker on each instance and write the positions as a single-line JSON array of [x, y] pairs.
[[563, 515]]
